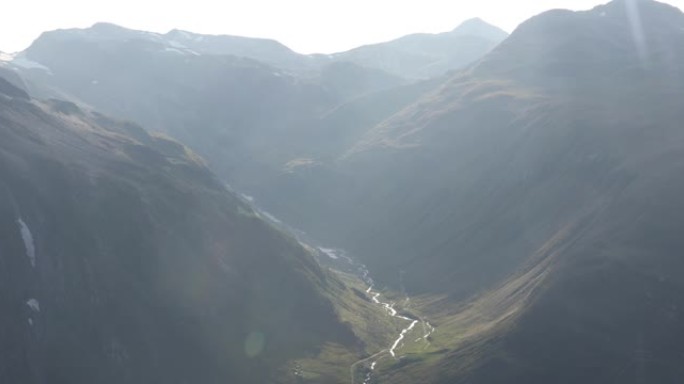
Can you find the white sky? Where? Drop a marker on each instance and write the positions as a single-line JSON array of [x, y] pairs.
[[306, 26]]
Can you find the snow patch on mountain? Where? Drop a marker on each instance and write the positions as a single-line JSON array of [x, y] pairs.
[[23, 62], [34, 305], [6, 57], [29, 244]]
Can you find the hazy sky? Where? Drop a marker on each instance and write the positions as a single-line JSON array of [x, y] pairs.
[[304, 25]]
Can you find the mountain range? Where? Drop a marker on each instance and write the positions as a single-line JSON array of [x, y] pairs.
[[424, 55], [536, 195], [255, 118], [518, 196], [126, 260]]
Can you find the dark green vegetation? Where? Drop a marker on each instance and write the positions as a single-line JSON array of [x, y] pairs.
[[124, 260]]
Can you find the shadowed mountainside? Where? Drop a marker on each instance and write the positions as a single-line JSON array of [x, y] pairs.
[[248, 119], [535, 201], [126, 261]]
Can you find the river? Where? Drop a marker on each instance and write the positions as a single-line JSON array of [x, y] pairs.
[[371, 362]]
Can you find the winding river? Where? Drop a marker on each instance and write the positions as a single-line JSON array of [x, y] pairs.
[[340, 257], [371, 362]]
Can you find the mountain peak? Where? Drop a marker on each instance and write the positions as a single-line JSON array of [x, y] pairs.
[[625, 4], [112, 31], [475, 21], [564, 44], [478, 27], [632, 1], [99, 31], [105, 26]]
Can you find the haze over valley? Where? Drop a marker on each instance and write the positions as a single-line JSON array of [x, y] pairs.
[[469, 206]]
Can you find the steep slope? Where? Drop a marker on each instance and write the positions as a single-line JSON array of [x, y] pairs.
[[535, 202], [8, 73], [126, 261], [245, 117], [481, 143], [421, 56], [310, 187], [251, 121]]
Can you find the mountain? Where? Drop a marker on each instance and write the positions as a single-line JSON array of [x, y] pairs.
[[424, 55], [264, 50], [479, 27], [267, 51], [532, 205], [236, 112], [126, 261], [529, 204], [7, 72], [251, 116]]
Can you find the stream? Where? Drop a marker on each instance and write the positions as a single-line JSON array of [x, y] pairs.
[[372, 362], [340, 259]]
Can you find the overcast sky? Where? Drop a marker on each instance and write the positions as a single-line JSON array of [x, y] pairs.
[[306, 26]]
